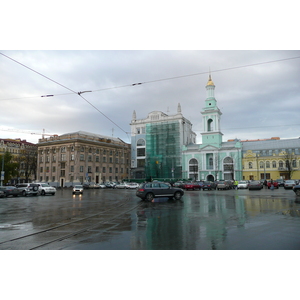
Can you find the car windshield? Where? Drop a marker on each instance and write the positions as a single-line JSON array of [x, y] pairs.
[[45, 185], [78, 186]]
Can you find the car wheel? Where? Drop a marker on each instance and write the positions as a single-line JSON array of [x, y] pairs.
[[43, 193], [298, 193], [23, 193], [53, 194], [177, 196], [149, 197]]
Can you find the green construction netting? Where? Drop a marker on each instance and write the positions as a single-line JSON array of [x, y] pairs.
[[163, 153]]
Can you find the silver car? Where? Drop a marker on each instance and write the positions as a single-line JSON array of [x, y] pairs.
[[28, 189], [78, 189], [289, 184]]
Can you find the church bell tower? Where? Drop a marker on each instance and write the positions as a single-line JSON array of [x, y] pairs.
[[211, 116]]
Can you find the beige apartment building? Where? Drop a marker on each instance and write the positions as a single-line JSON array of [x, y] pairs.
[[82, 157]]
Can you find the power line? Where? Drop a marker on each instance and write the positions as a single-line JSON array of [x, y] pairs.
[[79, 93], [151, 81]]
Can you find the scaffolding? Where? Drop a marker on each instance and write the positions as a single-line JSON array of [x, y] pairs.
[[163, 151]]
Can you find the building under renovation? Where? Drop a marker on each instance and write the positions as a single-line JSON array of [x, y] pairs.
[[156, 144]]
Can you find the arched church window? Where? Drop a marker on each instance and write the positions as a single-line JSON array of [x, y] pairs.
[[210, 125], [250, 165], [193, 165], [141, 142], [228, 160]]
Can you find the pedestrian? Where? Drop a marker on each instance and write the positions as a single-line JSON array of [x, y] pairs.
[[265, 183], [272, 185], [235, 184]]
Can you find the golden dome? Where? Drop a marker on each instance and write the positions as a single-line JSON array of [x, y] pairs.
[[210, 82]]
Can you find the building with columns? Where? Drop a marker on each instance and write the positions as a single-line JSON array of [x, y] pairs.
[[213, 159], [82, 157], [156, 144]]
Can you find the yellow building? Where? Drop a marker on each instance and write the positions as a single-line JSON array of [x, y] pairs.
[[25, 155], [271, 159]]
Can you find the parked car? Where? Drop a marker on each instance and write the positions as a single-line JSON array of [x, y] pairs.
[[255, 185], [289, 184], [150, 190], [223, 185], [296, 189], [275, 184], [280, 182], [243, 184], [2, 194], [10, 191], [121, 185], [45, 188], [132, 185], [191, 186], [208, 185], [78, 189], [28, 189], [179, 184]]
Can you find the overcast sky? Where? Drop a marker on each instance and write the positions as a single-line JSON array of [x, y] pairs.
[[258, 92]]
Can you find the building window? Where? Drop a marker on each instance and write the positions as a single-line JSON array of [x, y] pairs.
[[141, 152], [81, 157], [72, 157], [141, 142], [104, 170], [63, 149], [268, 165], [261, 165], [294, 163], [110, 169], [210, 125], [250, 165], [81, 169], [89, 169], [281, 164], [274, 164]]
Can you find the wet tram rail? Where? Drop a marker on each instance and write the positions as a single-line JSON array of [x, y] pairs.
[[53, 236]]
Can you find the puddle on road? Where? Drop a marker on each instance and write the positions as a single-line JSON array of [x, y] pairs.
[[11, 226]]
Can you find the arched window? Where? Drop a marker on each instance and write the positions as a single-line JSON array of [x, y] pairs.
[[250, 165], [274, 164], [211, 163], [261, 165], [141, 142], [281, 164], [193, 168], [210, 125], [268, 165]]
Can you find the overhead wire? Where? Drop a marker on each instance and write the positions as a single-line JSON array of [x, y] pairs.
[[135, 84], [150, 81], [78, 93]]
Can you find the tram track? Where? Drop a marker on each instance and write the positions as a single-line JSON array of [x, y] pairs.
[[41, 238]]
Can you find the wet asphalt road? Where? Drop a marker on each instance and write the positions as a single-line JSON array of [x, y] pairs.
[[116, 219]]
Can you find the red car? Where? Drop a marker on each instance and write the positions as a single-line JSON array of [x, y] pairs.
[[275, 184], [191, 186]]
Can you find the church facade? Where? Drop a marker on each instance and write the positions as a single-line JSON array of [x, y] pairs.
[[213, 159]]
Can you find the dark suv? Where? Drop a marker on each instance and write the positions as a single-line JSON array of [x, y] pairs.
[[28, 189], [150, 190]]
